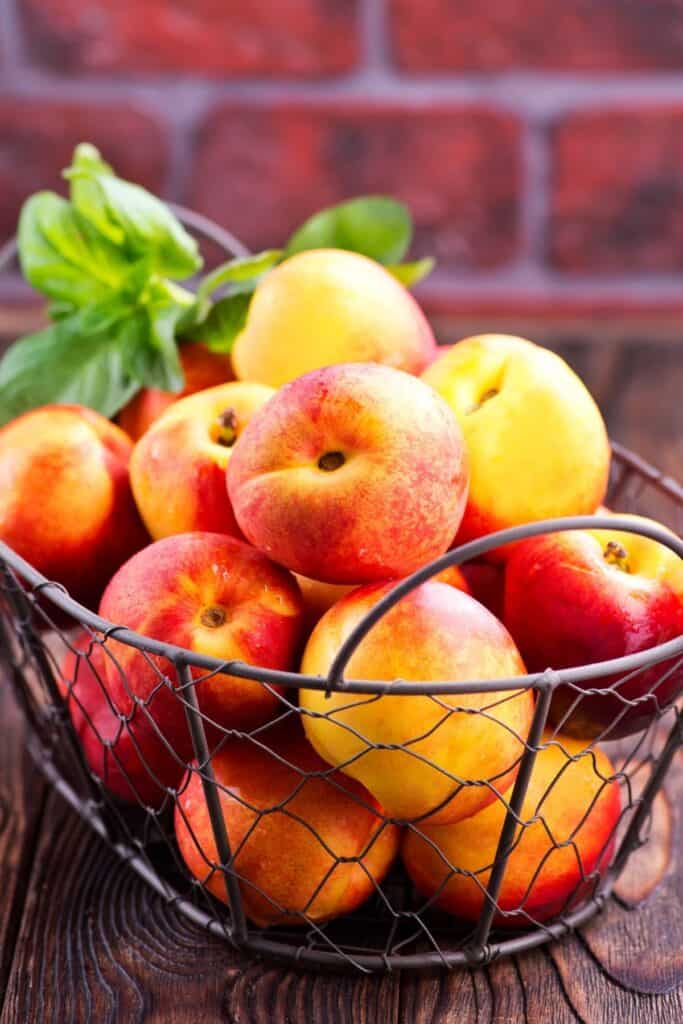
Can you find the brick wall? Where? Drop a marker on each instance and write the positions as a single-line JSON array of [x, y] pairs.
[[539, 145]]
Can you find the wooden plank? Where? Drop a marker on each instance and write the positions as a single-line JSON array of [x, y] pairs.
[[96, 944], [22, 794]]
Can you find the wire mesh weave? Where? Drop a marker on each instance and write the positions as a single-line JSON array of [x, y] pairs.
[[395, 926], [51, 648]]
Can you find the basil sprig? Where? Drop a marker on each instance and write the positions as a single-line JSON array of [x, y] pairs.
[[110, 260]]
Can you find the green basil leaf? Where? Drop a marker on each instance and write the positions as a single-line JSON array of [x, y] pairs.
[[241, 270], [410, 273], [144, 363], [226, 319], [62, 364], [163, 317], [63, 256], [129, 216], [376, 226]]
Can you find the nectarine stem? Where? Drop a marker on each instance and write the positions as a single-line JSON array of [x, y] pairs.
[[227, 428], [615, 554], [213, 617], [330, 461], [491, 393]]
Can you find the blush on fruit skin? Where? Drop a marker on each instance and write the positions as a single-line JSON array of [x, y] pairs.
[[566, 605], [425, 758], [283, 854], [125, 752], [212, 595], [580, 805], [177, 469], [65, 499], [202, 369], [350, 474]]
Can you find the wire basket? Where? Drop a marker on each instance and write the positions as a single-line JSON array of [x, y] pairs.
[[49, 644]]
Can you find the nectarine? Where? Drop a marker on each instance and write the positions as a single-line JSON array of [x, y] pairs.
[[65, 500], [305, 845], [350, 474], [213, 595], [330, 306], [562, 846], [583, 596], [438, 758], [124, 751], [536, 441], [177, 470]]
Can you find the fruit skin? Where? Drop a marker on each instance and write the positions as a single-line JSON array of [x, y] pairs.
[[435, 633], [213, 595], [537, 448], [394, 503], [202, 369], [177, 470], [282, 855], [330, 306], [319, 597], [65, 499], [580, 789], [440, 350], [566, 605], [128, 755], [486, 582]]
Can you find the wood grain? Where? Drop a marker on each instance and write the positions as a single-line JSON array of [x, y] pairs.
[[96, 945], [22, 795]]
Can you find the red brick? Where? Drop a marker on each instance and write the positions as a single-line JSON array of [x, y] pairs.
[[617, 191], [574, 35], [212, 37], [37, 138], [262, 171]]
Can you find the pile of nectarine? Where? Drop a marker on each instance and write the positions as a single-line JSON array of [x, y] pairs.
[[259, 520]]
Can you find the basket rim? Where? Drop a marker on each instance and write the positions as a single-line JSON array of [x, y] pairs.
[[547, 680]]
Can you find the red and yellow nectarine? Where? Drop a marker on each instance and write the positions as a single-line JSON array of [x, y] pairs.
[[327, 306], [304, 842], [564, 843], [124, 751], [65, 500], [177, 470], [583, 596], [422, 757], [352, 473], [213, 595], [536, 441]]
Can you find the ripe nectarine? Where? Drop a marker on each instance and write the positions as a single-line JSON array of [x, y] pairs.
[[177, 470], [330, 306], [350, 474], [65, 499], [312, 845], [438, 758], [564, 843], [213, 595]]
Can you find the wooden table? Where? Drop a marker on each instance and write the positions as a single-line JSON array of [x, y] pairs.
[[83, 939]]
